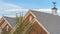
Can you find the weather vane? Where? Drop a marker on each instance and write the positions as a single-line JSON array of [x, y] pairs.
[[54, 3]]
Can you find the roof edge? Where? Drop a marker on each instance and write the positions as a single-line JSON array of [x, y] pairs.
[[7, 22], [29, 11]]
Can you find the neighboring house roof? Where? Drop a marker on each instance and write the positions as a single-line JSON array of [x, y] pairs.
[[11, 20], [49, 21]]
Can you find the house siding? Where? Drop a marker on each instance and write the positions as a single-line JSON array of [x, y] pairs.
[[26, 20], [5, 28], [2, 21]]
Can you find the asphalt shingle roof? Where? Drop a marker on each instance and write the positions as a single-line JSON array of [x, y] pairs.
[[49, 21], [11, 20]]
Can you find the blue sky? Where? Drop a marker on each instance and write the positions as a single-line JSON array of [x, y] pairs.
[[33, 4], [11, 7]]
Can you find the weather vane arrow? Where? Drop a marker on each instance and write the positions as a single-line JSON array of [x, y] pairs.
[[54, 3]]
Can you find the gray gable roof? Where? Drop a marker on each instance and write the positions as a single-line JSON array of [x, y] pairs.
[[49, 21], [12, 21]]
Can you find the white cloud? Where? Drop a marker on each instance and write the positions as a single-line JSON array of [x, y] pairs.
[[16, 10], [7, 6], [12, 16], [13, 10], [46, 10], [7, 9]]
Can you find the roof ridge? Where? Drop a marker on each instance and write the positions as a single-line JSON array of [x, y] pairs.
[[42, 12], [8, 17]]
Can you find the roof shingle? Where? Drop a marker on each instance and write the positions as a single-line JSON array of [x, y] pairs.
[[49, 21], [11, 20]]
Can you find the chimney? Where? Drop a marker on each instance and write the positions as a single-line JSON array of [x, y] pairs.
[[54, 9]]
